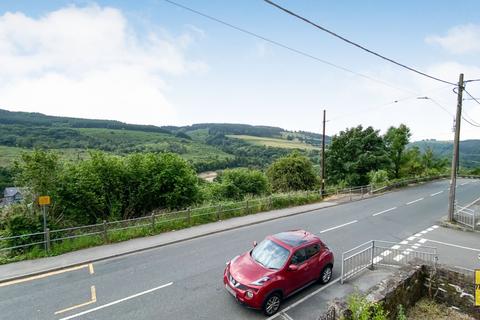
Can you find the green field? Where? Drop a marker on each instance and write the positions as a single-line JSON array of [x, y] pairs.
[[9, 154], [274, 142]]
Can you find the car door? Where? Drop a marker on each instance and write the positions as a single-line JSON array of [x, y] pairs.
[[299, 277], [312, 253]]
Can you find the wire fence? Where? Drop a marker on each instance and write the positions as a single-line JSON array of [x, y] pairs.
[[113, 231]]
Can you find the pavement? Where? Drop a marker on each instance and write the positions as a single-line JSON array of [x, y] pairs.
[[183, 280], [80, 257]]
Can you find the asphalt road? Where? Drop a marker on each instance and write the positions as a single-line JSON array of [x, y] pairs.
[[184, 280]]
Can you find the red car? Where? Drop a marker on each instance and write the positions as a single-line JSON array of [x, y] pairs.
[[276, 268]]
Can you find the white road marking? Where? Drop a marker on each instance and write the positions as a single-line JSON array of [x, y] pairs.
[[286, 316], [435, 227], [412, 202], [342, 225], [434, 194], [422, 240], [404, 242], [398, 257], [303, 299], [411, 238], [384, 211], [418, 235], [395, 247], [430, 229], [116, 302], [424, 231], [386, 253], [453, 245]]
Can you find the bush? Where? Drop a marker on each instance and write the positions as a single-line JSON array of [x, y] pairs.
[[291, 173], [235, 184], [21, 223], [378, 177], [362, 309]]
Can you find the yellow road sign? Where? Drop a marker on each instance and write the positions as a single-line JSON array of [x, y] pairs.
[[477, 287], [44, 200]]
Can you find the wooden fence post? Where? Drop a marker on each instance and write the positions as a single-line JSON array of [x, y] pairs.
[[153, 221], [105, 234]]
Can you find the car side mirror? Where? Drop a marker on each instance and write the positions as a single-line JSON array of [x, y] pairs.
[[292, 267], [254, 244]]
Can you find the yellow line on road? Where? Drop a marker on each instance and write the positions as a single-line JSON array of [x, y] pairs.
[[43, 275], [90, 268], [93, 299]]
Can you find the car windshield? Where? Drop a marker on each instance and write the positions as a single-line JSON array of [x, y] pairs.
[[270, 255]]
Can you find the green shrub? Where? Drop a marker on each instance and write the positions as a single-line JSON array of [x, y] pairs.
[[292, 173]]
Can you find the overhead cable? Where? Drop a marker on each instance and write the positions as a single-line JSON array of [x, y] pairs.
[[356, 44]]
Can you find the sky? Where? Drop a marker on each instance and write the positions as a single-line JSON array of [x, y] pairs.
[[149, 62]]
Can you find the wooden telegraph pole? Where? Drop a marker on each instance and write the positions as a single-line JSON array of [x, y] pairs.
[[453, 179], [322, 181]]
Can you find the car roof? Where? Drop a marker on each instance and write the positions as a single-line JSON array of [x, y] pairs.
[[295, 238]]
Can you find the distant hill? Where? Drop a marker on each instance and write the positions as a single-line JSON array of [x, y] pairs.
[[469, 150], [208, 146]]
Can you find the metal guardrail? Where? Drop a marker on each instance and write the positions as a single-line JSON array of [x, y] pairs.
[[466, 216], [377, 252], [190, 216]]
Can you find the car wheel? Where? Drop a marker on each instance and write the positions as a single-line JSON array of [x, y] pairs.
[[326, 275], [272, 304]]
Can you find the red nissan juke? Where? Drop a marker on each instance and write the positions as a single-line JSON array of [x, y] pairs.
[[276, 268]]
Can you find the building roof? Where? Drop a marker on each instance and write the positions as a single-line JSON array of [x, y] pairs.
[[11, 192]]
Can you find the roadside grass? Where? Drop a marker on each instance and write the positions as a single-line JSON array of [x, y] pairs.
[[427, 309], [153, 225]]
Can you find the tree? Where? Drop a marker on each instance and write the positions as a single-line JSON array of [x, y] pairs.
[[412, 162], [396, 140], [38, 171], [293, 172], [107, 187], [353, 153]]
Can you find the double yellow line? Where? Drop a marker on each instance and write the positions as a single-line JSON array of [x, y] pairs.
[[93, 292], [48, 274]]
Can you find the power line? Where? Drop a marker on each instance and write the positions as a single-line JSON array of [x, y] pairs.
[[473, 98], [356, 44], [284, 46]]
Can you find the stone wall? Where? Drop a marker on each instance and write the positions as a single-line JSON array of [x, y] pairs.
[[453, 288], [413, 282]]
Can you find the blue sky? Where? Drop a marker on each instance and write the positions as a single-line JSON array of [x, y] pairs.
[[151, 62]]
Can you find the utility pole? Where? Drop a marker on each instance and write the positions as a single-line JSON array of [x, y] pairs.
[[456, 142], [322, 181]]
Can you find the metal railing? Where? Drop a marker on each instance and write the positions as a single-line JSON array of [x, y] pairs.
[[466, 216], [153, 223], [377, 252], [106, 231]]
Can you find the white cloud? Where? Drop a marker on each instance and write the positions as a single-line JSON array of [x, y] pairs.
[[89, 62], [459, 39]]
